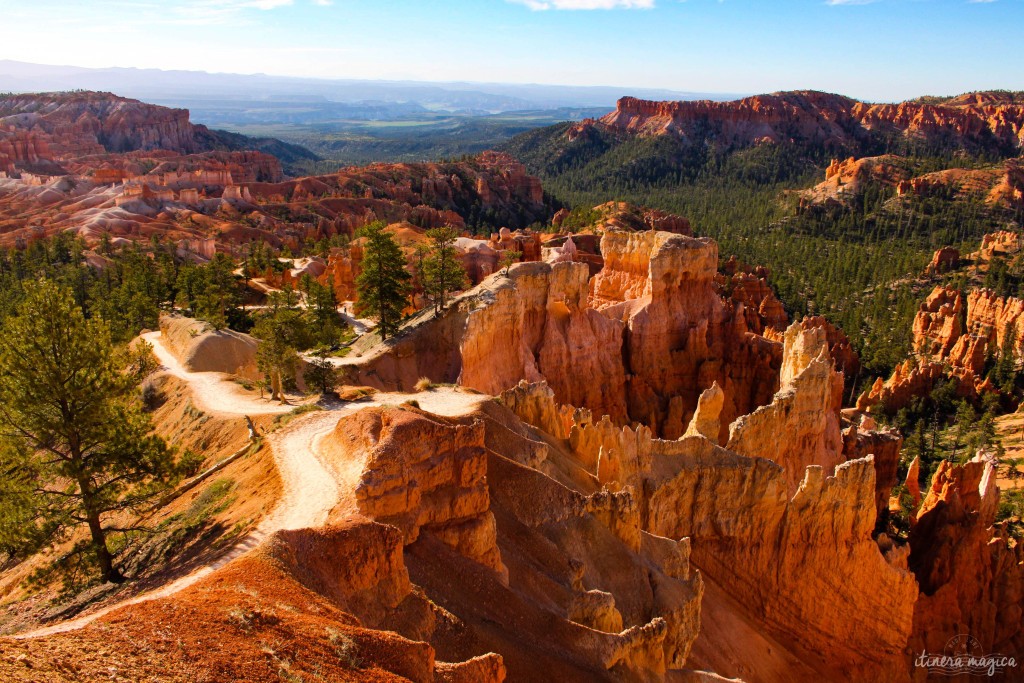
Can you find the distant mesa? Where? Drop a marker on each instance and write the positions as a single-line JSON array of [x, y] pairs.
[[983, 120]]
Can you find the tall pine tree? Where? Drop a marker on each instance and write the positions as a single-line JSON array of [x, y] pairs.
[[75, 445], [442, 270], [383, 284]]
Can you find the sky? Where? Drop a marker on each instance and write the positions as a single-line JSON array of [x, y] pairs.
[[877, 50]]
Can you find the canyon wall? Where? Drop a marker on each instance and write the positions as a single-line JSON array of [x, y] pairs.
[[613, 603], [829, 120], [969, 568], [647, 337], [804, 563]]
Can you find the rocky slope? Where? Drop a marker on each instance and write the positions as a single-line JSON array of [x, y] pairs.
[[845, 181], [780, 503], [42, 131], [231, 198], [968, 567]]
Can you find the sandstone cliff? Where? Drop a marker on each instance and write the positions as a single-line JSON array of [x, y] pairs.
[[970, 570], [622, 603], [645, 337], [800, 427], [772, 551], [829, 120]]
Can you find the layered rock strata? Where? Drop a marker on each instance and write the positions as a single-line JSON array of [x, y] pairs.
[[778, 553], [644, 337]]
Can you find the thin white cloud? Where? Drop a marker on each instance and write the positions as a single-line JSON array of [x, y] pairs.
[[202, 12], [850, 2], [585, 4]]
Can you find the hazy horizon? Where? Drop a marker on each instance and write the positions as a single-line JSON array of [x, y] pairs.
[[875, 50]]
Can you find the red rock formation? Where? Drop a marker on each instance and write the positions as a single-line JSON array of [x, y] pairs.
[[845, 180], [424, 475], [762, 308], [537, 324], [998, 244], [682, 336], [861, 440], [991, 318], [800, 427], [827, 119], [806, 567], [947, 347], [620, 601], [237, 197], [625, 216], [937, 325], [943, 261], [843, 355], [908, 380], [75, 124], [970, 570]]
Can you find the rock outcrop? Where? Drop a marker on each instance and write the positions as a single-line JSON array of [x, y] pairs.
[[645, 337], [953, 343], [537, 324], [999, 244], [76, 124], [748, 286], [800, 427], [682, 337], [969, 569], [943, 260], [422, 475], [612, 602], [846, 180], [938, 323], [100, 164]]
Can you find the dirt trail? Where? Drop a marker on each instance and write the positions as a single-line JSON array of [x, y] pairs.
[[212, 390], [313, 485]]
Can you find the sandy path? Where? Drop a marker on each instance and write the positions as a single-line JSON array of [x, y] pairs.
[[310, 490], [212, 390], [313, 483]]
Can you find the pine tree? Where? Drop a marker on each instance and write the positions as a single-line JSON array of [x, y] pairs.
[[322, 309], [320, 373], [218, 299], [74, 442], [1005, 370], [508, 258], [442, 270], [383, 284], [282, 333]]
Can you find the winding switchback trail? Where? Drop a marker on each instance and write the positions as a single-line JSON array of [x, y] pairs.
[[312, 486]]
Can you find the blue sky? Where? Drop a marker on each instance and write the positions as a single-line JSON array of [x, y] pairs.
[[881, 50]]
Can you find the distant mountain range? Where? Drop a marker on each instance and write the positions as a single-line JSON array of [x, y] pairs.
[[364, 98]]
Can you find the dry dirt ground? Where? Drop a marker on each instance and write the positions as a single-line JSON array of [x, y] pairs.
[[311, 490]]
